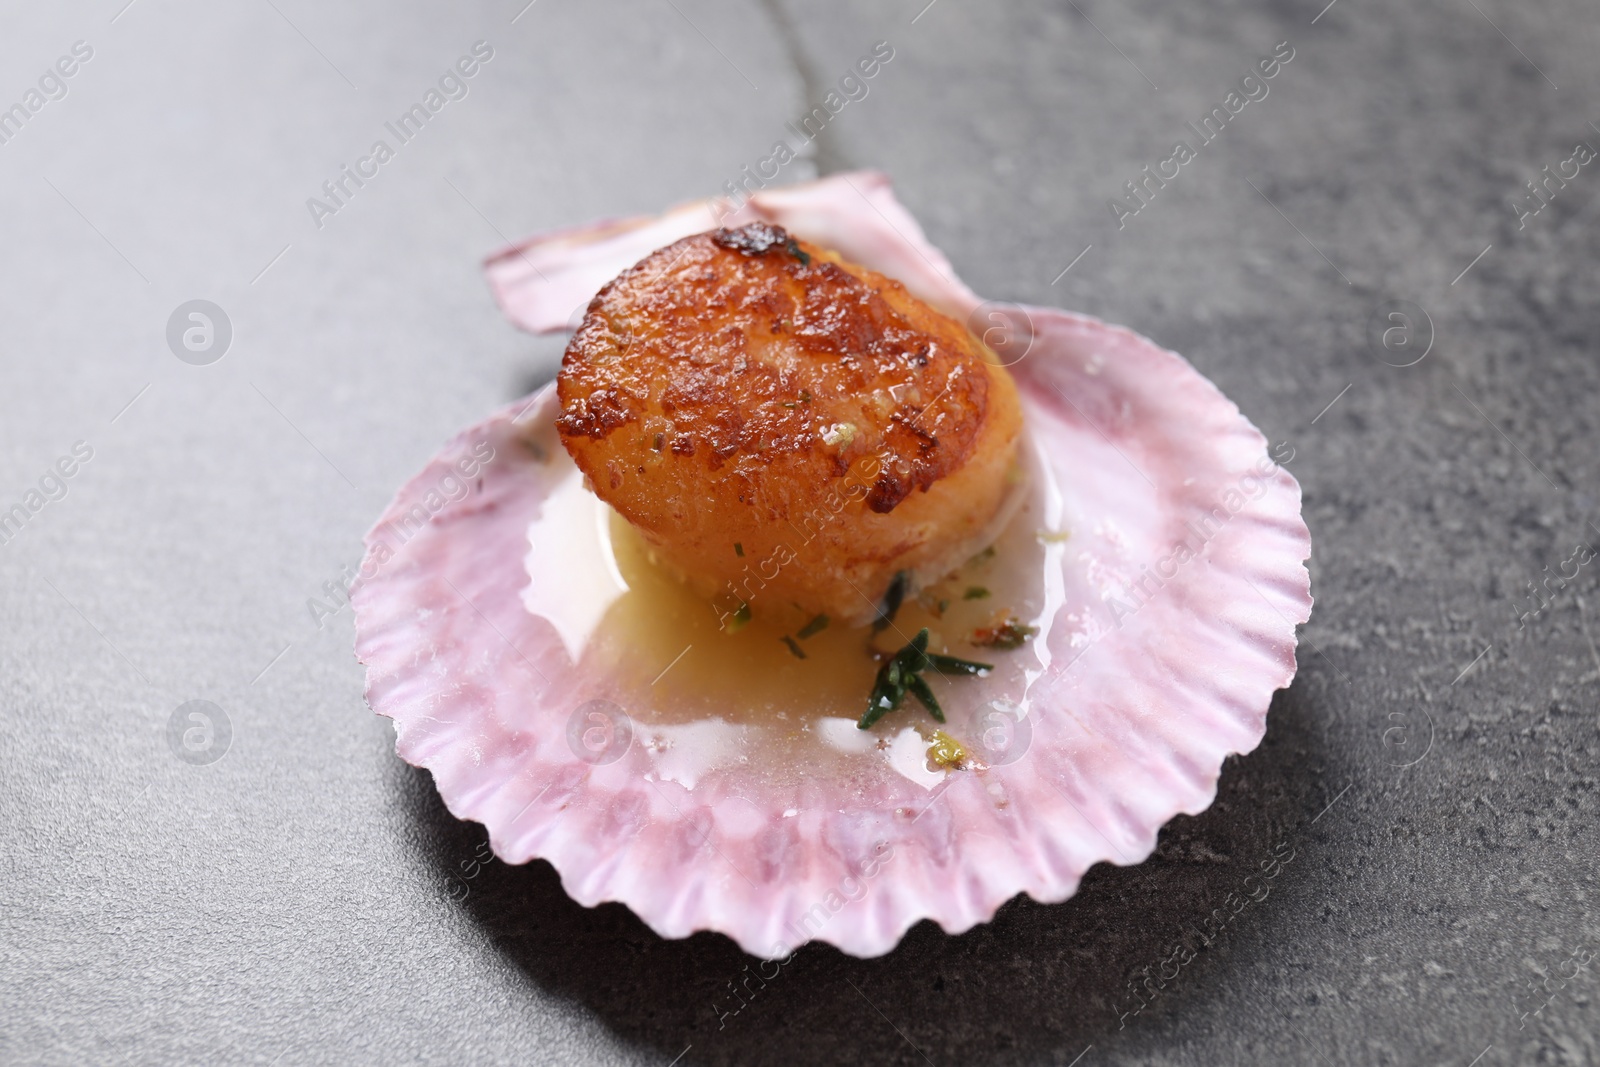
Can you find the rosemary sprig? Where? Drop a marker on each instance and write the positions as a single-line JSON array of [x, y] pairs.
[[902, 672], [893, 597], [951, 665], [814, 627], [919, 688]]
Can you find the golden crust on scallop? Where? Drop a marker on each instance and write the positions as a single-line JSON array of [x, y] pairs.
[[780, 423]]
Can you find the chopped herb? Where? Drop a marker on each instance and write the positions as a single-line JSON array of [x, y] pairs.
[[879, 704], [982, 557], [889, 689], [942, 605], [901, 673], [805, 396], [814, 627], [661, 439], [919, 689], [793, 646], [893, 597], [738, 549], [799, 253], [1008, 633], [739, 620], [975, 592], [950, 665]]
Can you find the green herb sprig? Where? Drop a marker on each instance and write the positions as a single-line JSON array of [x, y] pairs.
[[818, 624], [893, 597], [902, 673]]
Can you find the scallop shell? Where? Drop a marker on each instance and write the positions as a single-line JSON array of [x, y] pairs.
[[1156, 663]]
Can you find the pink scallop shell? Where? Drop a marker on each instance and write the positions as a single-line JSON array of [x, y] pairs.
[[1154, 669]]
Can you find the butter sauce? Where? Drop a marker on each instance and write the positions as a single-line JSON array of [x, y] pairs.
[[689, 676]]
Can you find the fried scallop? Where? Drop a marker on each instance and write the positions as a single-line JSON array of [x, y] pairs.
[[780, 424], [600, 731]]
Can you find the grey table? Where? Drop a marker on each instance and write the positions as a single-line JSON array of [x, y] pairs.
[[1432, 769]]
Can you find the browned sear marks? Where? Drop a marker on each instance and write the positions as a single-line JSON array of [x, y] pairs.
[[772, 369]]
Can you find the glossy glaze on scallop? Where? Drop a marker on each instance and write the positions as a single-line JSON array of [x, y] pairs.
[[785, 426]]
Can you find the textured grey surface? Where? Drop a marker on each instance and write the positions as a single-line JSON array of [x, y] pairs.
[[297, 900]]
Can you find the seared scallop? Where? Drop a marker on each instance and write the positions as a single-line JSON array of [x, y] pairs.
[[782, 425]]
